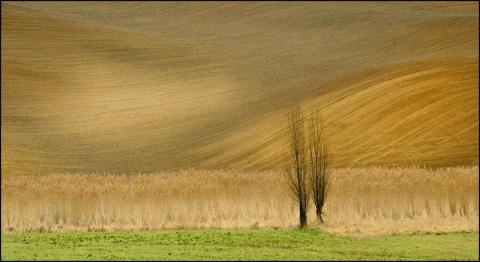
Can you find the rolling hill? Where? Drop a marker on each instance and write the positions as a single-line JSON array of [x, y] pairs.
[[154, 86]]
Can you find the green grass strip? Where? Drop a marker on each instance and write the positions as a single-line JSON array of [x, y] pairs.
[[237, 245]]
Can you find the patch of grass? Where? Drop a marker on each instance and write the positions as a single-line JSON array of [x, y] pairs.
[[237, 245]]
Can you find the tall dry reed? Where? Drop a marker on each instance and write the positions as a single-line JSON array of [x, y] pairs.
[[361, 201], [392, 200]]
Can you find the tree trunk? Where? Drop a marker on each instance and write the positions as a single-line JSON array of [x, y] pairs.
[[319, 215], [303, 217]]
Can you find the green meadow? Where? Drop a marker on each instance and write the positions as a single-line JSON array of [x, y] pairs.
[[237, 245]]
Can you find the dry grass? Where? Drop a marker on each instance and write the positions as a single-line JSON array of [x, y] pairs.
[[391, 200], [362, 201]]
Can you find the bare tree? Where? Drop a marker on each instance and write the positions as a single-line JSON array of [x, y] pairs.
[[319, 165], [296, 174]]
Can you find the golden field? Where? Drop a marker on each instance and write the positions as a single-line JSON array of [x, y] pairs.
[[361, 201], [149, 89]]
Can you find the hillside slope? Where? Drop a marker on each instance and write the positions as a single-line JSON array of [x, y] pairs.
[[424, 113], [140, 87]]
